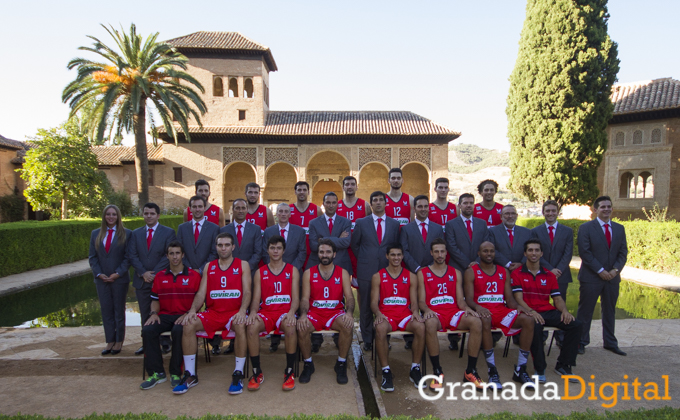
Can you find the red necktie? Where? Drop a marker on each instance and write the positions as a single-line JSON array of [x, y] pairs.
[[330, 225], [469, 228], [551, 233], [283, 233], [148, 239], [608, 235], [239, 235], [424, 231], [196, 233], [510, 236], [379, 231], [109, 236]]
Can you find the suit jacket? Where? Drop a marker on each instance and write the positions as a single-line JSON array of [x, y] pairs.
[[198, 253], [416, 252], [558, 255], [152, 259], [506, 253], [114, 261], [318, 228], [595, 254], [296, 245], [371, 256], [458, 244], [251, 244]]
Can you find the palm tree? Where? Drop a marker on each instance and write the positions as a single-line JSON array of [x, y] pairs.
[[114, 93]]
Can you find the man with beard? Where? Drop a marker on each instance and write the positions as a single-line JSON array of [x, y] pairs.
[[399, 205], [212, 212], [258, 214]]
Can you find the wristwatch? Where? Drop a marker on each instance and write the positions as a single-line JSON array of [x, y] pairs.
[[153, 313]]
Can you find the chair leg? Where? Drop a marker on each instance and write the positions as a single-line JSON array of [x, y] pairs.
[[423, 361], [462, 345], [506, 350], [551, 342], [205, 350]]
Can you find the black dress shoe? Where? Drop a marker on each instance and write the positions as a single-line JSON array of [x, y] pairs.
[[165, 348], [315, 347], [581, 349], [616, 350], [273, 347], [368, 346], [408, 345], [230, 348], [106, 351], [215, 350], [139, 351]]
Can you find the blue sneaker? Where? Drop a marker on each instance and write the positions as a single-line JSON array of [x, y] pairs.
[[236, 386], [189, 381]]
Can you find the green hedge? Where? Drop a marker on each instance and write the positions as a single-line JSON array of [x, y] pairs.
[[31, 245], [641, 414], [653, 246]]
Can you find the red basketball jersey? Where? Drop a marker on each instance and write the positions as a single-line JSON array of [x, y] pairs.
[[440, 292], [302, 218], [276, 289], [258, 218], [489, 289], [399, 210], [225, 287], [440, 216], [395, 294], [491, 217], [212, 214], [325, 294], [352, 213]]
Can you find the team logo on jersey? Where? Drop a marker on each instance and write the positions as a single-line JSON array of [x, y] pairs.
[[287, 276], [311, 211], [316, 275], [264, 272], [337, 280], [235, 270], [479, 272], [498, 211], [213, 213], [359, 208], [185, 282], [543, 282], [212, 267], [384, 275], [452, 211], [225, 294], [429, 274], [500, 276], [450, 277], [404, 280], [403, 203], [259, 214]]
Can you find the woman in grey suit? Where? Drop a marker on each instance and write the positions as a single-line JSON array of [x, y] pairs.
[[110, 269]]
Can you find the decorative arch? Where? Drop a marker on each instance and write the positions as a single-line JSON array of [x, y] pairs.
[[235, 177], [218, 89], [248, 88], [321, 187], [645, 183], [328, 165], [416, 179], [280, 177], [233, 87], [372, 177], [625, 186]]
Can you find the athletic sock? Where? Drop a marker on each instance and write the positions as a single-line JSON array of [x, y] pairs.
[[290, 361], [490, 358], [413, 365], [386, 368], [255, 360], [240, 362], [341, 360], [190, 364], [522, 358], [308, 360], [472, 364], [435, 363]]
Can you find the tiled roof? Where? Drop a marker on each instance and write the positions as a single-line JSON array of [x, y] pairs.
[[116, 155], [224, 41], [645, 96], [11, 144], [339, 123]]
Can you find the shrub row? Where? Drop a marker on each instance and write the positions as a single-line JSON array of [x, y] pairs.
[[641, 414], [651, 246], [30, 245]]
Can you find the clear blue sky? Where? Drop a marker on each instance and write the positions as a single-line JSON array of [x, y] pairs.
[[446, 60]]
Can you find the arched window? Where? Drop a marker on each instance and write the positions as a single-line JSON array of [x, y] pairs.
[[248, 88], [217, 86], [637, 137], [645, 187], [626, 185], [656, 135], [233, 87], [620, 137]]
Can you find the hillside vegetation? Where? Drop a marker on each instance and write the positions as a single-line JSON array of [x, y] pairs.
[[469, 158]]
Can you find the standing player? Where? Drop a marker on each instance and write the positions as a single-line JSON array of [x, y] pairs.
[[487, 288], [225, 289], [394, 301], [212, 212], [399, 205], [488, 210], [302, 212], [440, 290], [258, 214], [441, 210], [321, 308], [352, 208], [276, 297]]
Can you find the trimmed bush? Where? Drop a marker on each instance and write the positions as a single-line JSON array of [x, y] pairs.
[[11, 208], [30, 245]]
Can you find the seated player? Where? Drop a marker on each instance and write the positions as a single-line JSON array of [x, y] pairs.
[[394, 301], [323, 288], [487, 291], [225, 288], [532, 286], [440, 290], [276, 297], [172, 293]]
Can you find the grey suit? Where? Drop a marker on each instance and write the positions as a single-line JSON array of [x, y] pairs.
[[250, 248], [458, 244], [371, 257], [197, 253], [558, 254], [111, 295], [318, 228], [596, 255], [506, 253], [416, 252], [152, 259], [296, 245]]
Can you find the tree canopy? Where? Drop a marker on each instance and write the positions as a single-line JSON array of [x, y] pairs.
[[559, 101]]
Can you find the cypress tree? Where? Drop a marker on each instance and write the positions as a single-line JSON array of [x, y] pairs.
[[559, 101]]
